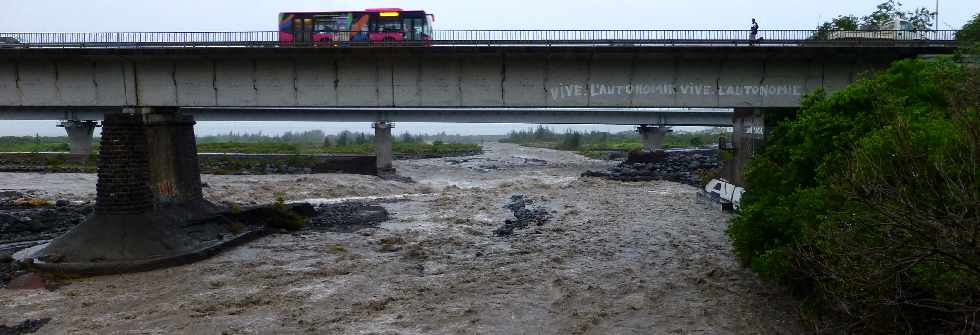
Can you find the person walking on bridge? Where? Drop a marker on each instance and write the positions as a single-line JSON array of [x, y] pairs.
[[755, 31]]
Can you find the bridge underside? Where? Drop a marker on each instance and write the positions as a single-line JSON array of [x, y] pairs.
[[460, 77], [681, 117]]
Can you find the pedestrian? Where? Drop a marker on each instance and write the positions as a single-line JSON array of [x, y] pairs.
[[755, 31]]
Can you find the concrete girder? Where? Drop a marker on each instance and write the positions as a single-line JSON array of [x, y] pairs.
[[465, 77], [680, 117]]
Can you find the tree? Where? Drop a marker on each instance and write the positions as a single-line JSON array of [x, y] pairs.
[[841, 22], [361, 138], [920, 18], [344, 139], [969, 35], [407, 138], [572, 141], [865, 202], [326, 142], [543, 134], [696, 141]]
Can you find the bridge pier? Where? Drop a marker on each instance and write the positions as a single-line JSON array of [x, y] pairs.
[[175, 177], [79, 135], [382, 147], [149, 209], [748, 137], [652, 137]]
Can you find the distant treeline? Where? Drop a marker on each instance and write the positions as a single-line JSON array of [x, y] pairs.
[[312, 141], [33, 143], [341, 139], [593, 140], [316, 141]]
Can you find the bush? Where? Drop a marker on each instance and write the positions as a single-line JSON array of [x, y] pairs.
[[865, 203], [281, 216]]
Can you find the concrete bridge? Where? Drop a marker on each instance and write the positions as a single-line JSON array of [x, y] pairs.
[[149, 88], [622, 82], [434, 77]]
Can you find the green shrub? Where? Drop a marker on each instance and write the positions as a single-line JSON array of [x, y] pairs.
[[283, 217], [865, 203], [55, 160]]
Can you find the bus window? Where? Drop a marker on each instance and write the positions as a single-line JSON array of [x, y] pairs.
[[386, 26], [298, 35], [413, 28], [308, 30]]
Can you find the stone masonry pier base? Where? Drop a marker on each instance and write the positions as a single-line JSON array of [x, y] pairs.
[[149, 209]]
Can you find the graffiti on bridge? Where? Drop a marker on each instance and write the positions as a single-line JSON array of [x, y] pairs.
[[563, 91]]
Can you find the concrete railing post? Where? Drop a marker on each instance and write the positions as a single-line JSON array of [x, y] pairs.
[[382, 147]]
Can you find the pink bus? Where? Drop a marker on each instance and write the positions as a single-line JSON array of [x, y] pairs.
[[370, 25]]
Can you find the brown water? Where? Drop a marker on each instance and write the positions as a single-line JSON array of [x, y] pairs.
[[617, 258]]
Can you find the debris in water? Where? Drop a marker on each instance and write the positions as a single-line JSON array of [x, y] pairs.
[[347, 217], [524, 214], [25, 327]]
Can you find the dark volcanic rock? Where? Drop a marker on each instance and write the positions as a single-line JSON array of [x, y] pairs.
[[680, 166], [525, 213], [7, 269], [25, 327], [20, 222], [347, 217]]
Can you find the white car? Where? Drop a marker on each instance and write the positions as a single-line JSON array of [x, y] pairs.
[[721, 191]]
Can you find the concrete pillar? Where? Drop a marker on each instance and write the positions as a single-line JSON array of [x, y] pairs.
[[652, 137], [382, 147], [79, 135], [175, 176], [149, 211], [748, 137]]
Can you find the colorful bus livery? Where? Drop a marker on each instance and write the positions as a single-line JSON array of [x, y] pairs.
[[340, 28]]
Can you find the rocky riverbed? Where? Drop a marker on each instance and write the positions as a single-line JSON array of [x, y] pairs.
[[587, 256], [686, 166]]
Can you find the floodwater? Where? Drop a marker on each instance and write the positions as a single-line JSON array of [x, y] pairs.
[[616, 258]]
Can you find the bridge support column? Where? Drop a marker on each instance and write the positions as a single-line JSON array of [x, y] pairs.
[[175, 176], [748, 137], [652, 137], [149, 210], [79, 135], [382, 147]]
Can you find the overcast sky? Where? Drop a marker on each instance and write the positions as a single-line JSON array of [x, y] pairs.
[[239, 15], [226, 15]]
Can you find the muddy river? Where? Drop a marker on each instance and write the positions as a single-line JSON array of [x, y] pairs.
[[613, 258]]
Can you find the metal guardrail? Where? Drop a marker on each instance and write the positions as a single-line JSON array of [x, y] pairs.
[[488, 37]]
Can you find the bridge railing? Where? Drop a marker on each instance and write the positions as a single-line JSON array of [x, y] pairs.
[[482, 37]]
